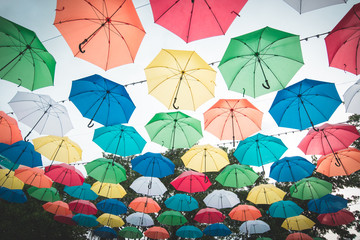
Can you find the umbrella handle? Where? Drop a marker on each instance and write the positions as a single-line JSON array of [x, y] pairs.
[[26, 137], [20, 82], [91, 124], [176, 107], [80, 45], [266, 85]]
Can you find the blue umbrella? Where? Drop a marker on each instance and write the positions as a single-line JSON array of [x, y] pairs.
[[153, 165], [327, 204], [105, 232], [291, 169], [85, 220], [217, 229], [112, 206], [7, 163], [181, 202], [83, 192], [12, 195], [305, 104], [189, 232], [102, 100], [284, 209]]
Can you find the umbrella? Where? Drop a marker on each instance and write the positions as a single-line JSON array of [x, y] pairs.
[[24, 59], [254, 227], [209, 215], [174, 130], [110, 220], [130, 232], [220, 199], [12, 195], [305, 104], [105, 232], [232, 119], [310, 188], [157, 233], [119, 139], [181, 202], [44, 194], [205, 158], [57, 207], [284, 209], [303, 6], [265, 194], [194, 20], [298, 236], [261, 62], [217, 229], [145, 205], [9, 180], [153, 165], [33, 176], [171, 218], [140, 219], [85, 220], [180, 79], [105, 34], [66, 219], [112, 206], [6, 163], [109, 190], [106, 170], [244, 213], [259, 150], [327, 204], [65, 174], [83, 192], [101, 100], [191, 182], [189, 231], [10, 132], [341, 217], [150, 186], [237, 176], [343, 41], [41, 113], [297, 223], [352, 98], [83, 206]]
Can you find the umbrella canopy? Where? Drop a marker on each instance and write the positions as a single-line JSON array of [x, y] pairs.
[[41, 113], [140, 219], [217, 229], [189, 231], [145, 205], [112, 206], [153, 165], [297, 223], [150, 186], [327, 204], [119, 139], [284, 209], [44, 194], [209, 215], [105, 34], [232, 119], [130, 232], [191, 182], [352, 98], [205, 158], [65, 174], [105, 232], [310, 188], [303, 6], [106, 170], [237, 176], [6, 163], [254, 227], [298, 236], [157, 233], [254, 63], [181, 202], [108, 190], [12, 195], [33, 176], [85, 220], [83, 206], [9, 180], [341, 217], [180, 79], [172, 218], [220, 199], [291, 169], [265, 194], [244, 213], [66, 219], [174, 130], [57, 207], [83, 192], [110, 220], [10, 132], [305, 104], [24, 59]]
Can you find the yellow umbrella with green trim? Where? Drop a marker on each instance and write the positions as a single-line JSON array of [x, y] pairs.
[[110, 220], [265, 194], [297, 223], [8, 180], [109, 190]]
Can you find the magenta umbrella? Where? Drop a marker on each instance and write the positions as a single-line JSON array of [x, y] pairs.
[[83, 206], [338, 218], [191, 182], [65, 174], [66, 219], [209, 215]]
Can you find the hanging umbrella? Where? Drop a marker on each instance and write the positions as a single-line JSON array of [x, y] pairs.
[[305, 104], [191, 182], [57, 207], [9, 180], [85, 220], [140, 219], [217, 229], [12, 195], [24, 59], [181, 202], [189, 231], [284, 209], [265, 194], [343, 41], [150, 186], [101, 100], [6, 163], [153, 165], [297, 223], [263, 238], [106, 170], [44, 194], [83, 192], [232, 119], [10, 132], [259, 150], [83, 206], [65, 174], [41, 113], [119, 139], [310, 188], [341, 217], [254, 227], [327, 204], [66, 219], [105, 34], [174, 130], [105, 232], [130, 232], [109, 190], [33, 176], [237, 176], [110, 220], [244, 213], [205, 158], [209, 215], [157, 233], [298, 236], [112, 206], [172, 218], [220, 199], [180, 79], [145, 205], [352, 98], [303, 6], [261, 62]]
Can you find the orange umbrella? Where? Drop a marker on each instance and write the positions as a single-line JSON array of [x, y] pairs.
[[34, 177], [233, 119], [157, 233], [145, 205], [244, 213], [105, 33], [9, 129], [57, 207]]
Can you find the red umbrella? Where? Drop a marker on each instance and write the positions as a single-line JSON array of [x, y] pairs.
[[83, 206], [298, 236], [65, 174], [342, 43], [57, 207], [209, 215], [9, 129], [244, 213], [157, 233], [191, 182], [341, 217], [194, 20], [67, 219], [33, 176]]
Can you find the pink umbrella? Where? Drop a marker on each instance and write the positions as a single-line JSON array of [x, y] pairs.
[[209, 215], [191, 182], [341, 217], [83, 206], [67, 219], [65, 174]]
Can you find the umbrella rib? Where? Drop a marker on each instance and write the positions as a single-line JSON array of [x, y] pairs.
[[155, 20], [217, 21]]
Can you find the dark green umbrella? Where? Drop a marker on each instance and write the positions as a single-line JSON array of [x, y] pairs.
[[44, 194], [237, 176], [310, 188], [106, 170], [130, 232], [172, 218]]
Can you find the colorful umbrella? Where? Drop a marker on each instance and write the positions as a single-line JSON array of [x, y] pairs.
[[65, 174], [145, 205], [157, 233], [66, 219], [6, 163], [265, 194], [110, 220], [254, 64], [181, 202], [150, 186], [209, 215], [237, 176], [172, 218], [83, 192], [83, 206], [217, 229], [254, 227], [191, 182], [341, 217], [109, 190], [8, 180], [303, 6], [244, 213], [24, 59], [140, 219], [57, 207], [85, 220], [174, 130], [310, 188], [284, 209], [112, 206], [305, 104], [105, 34], [220, 199], [33, 176], [153, 165], [12, 195], [44, 194], [130, 232], [232, 119], [10, 132], [352, 98], [189, 231], [105, 232], [327, 204], [298, 236], [297, 223], [180, 79], [106, 170]]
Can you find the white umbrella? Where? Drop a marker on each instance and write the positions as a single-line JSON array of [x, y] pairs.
[[303, 6], [352, 98], [254, 227], [150, 186], [140, 219], [41, 113], [221, 199]]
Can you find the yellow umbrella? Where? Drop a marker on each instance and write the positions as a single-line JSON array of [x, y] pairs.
[[180, 79], [109, 190], [8, 180], [205, 158], [265, 194], [110, 220], [297, 223]]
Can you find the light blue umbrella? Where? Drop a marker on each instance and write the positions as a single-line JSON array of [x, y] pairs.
[[85, 220], [284, 209], [217, 229], [112, 206], [12, 195], [327, 204], [83, 192], [181, 202], [189, 232], [153, 165]]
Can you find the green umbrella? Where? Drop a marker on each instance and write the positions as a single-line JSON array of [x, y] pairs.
[[172, 218], [262, 61], [174, 130], [24, 59], [237, 176], [44, 194], [310, 188], [130, 232], [106, 170]]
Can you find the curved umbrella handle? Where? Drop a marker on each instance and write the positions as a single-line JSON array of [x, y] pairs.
[[176, 107], [91, 124], [20, 82], [80, 45], [266, 85]]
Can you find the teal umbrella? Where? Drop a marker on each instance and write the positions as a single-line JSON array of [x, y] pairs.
[[189, 231], [82, 191], [181, 202]]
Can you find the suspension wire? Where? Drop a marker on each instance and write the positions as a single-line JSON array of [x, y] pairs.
[[314, 36]]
